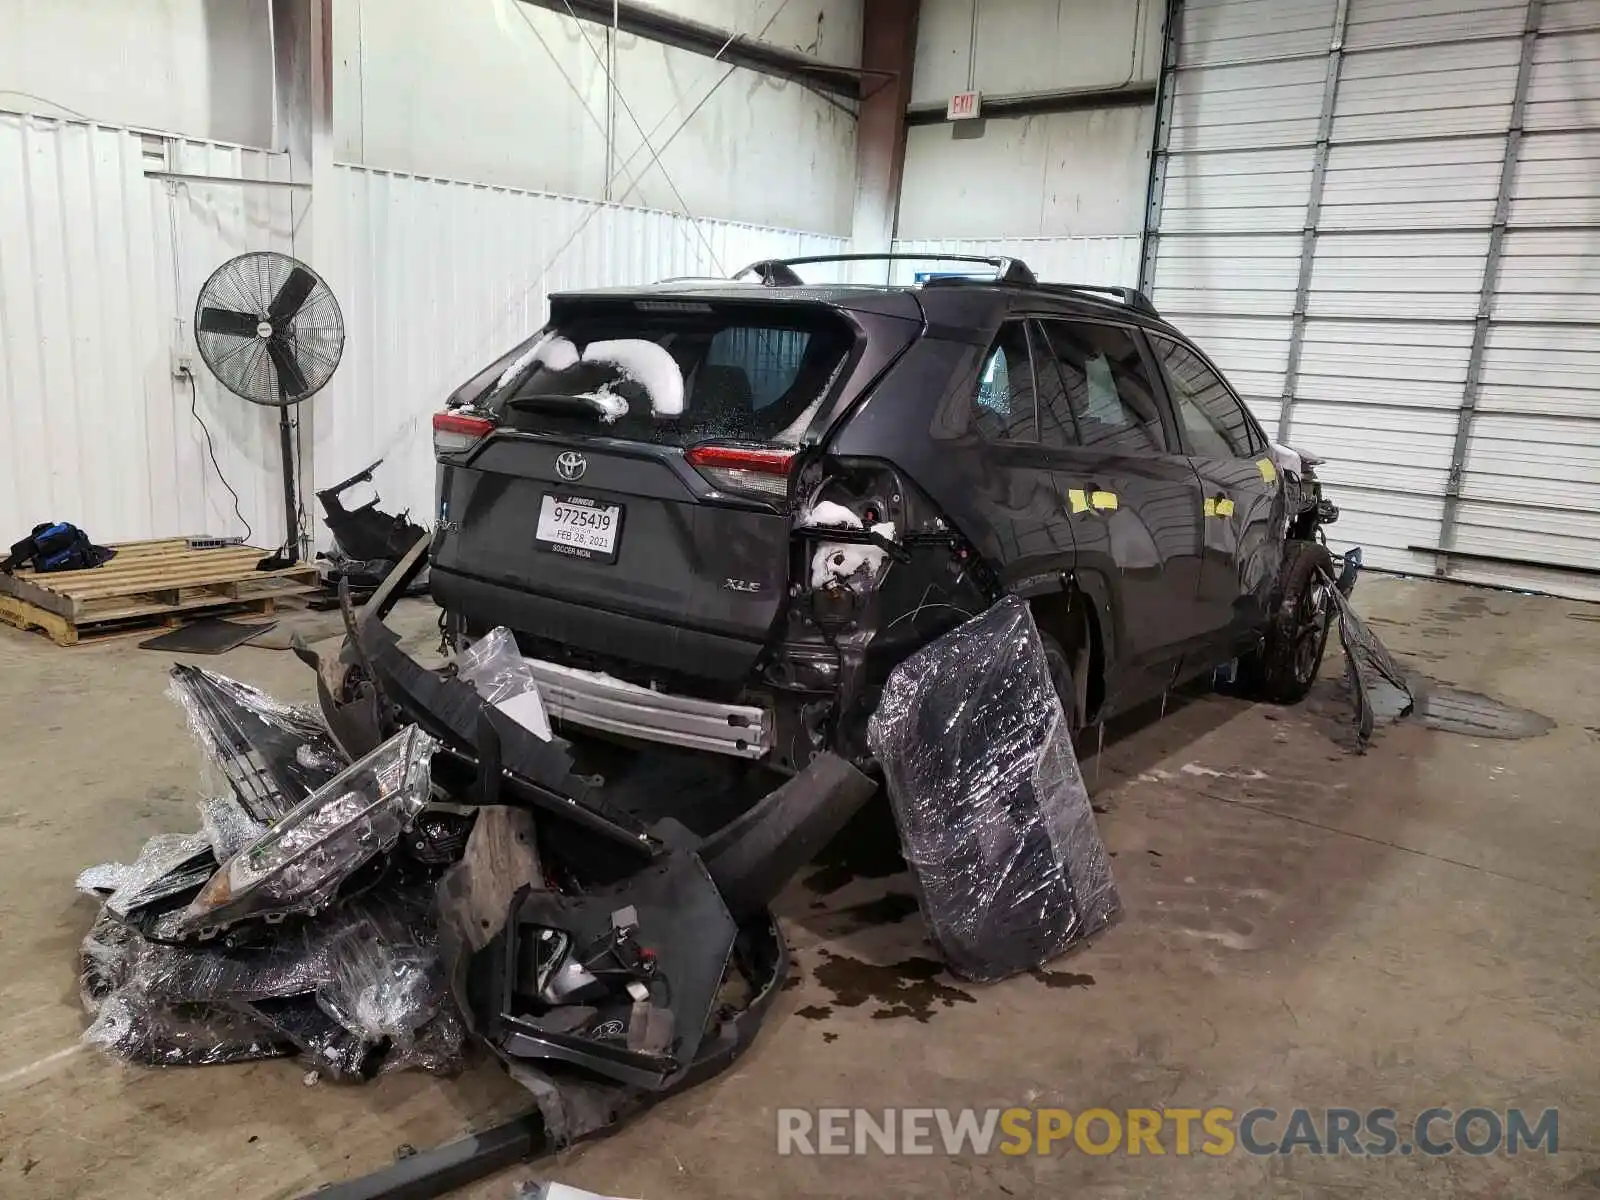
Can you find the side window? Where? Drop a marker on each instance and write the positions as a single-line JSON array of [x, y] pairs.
[[1112, 404], [1002, 406], [1213, 421], [1057, 426]]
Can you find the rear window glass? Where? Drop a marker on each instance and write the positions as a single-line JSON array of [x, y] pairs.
[[677, 377]]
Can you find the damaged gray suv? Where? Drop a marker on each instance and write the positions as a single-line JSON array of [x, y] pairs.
[[717, 514]]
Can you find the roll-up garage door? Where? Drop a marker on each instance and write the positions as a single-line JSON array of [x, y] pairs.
[[1382, 218]]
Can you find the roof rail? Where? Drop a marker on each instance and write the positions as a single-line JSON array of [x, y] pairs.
[[779, 272], [1125, 296]]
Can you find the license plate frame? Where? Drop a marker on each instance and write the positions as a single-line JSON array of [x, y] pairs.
[[595, 553]]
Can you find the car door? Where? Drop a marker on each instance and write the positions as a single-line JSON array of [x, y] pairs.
[[1243, 503], [1134, 499], [1010, 477]]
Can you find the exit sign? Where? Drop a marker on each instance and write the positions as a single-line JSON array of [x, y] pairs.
[[963, 107]]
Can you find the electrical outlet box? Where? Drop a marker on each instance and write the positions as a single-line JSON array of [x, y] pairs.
[[182, 365]]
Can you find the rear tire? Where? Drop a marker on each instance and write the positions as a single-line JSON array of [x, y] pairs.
[[1284, 668], [1066, 683]]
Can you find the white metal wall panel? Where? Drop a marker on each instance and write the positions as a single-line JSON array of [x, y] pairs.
[[1377, 359], [1222, 31], [1108, 260], [1237, 191], [1531, 473], [1395, 276], [1427, 91], [1249, 107], [1564, 93], [1379, 23], [441, 277], [1411, 185], [1556, 181], [98, 266], [1568, 15]]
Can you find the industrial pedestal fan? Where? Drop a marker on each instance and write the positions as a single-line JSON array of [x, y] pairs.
[[269, 329]]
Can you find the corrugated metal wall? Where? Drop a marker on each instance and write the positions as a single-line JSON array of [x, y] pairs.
[[442, 277], [1394, 261], [1113, 260], [98, 265]]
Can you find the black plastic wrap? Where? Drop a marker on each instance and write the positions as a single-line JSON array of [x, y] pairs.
[[993, 813], [354, 990], [186, 1035], [1368, 667]]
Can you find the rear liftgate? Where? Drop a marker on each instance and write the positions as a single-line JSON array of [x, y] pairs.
[[607, 958]]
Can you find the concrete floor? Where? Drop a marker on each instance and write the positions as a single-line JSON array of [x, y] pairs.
[[1411, 928]]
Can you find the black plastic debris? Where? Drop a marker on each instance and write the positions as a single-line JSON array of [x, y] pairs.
[[1370, 670], [367, 542], [993, 814]]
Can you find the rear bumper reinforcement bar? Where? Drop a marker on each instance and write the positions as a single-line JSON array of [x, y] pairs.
[[613, 705]]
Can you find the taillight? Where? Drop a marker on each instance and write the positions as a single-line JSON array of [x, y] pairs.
[[454, 432], [744, 470]]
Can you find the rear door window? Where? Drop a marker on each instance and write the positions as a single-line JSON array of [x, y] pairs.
[[678, 376], [1106, 387], [1003, 403], [1213, 420]]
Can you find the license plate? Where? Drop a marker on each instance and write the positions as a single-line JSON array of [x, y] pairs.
[[579, 527]]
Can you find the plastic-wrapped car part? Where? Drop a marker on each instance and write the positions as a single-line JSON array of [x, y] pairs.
[[322, 1042], [270, 755], [227, 826], [168, 864], [495, 667], [437, 1048], [295, 961], [101, 880], [382, 987], [105, 960], [184, 1035], [993, 814], [298, 865], [298, 959]]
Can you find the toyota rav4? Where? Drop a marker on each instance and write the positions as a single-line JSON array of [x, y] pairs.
[[716, 514]]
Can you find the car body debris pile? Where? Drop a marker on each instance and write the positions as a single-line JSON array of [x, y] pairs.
[[291, 923], [430, 864]]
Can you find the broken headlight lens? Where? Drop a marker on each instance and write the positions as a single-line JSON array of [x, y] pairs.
[[299, 863]]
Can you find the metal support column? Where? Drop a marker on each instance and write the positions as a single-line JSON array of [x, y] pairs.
[[1308, 231], [1486, 293], [1156, 191]]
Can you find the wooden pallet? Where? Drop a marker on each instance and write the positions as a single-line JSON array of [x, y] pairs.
[[147, 583]]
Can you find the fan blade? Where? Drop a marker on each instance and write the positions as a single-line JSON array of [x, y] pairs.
[[225, 320], [290, 377], [291, 295]]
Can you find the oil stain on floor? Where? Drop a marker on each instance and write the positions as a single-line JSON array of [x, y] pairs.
[[908, 988], [1061, 979]]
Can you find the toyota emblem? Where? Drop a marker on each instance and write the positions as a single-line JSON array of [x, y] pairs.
[[571, 465]]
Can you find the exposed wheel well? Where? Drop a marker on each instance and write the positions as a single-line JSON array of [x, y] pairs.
[[1069, 618]]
